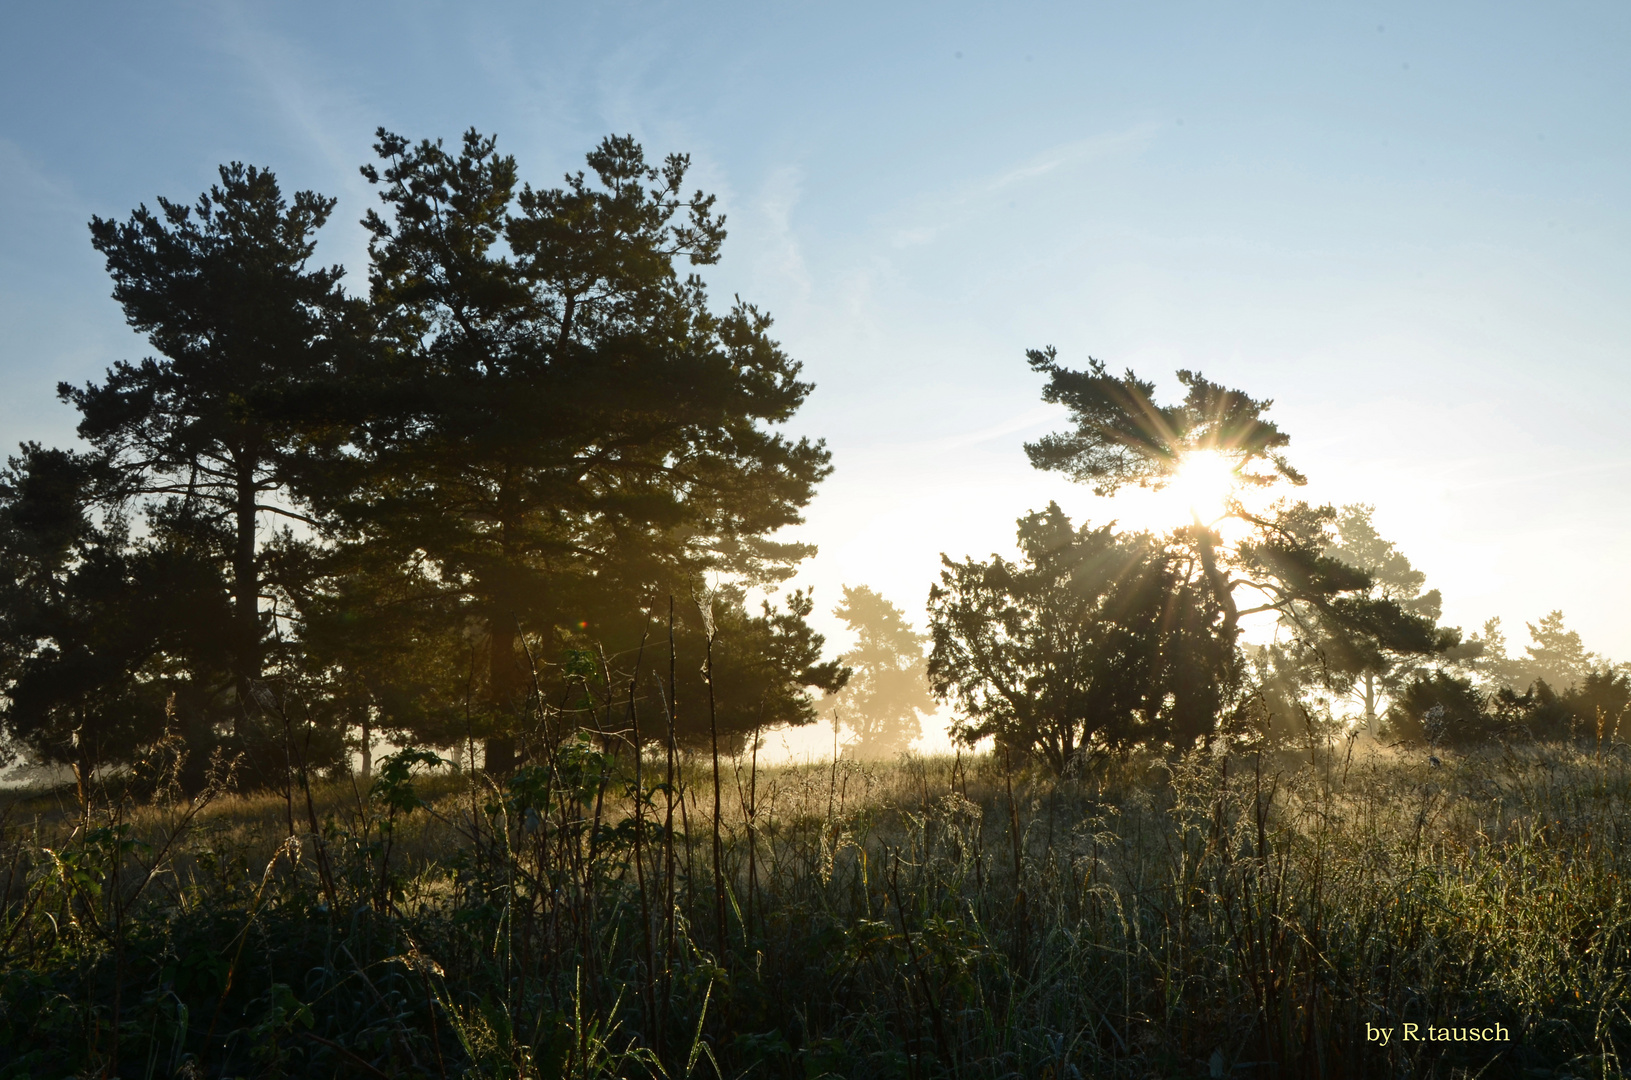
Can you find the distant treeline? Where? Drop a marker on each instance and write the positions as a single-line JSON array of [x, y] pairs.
[[526, 484]]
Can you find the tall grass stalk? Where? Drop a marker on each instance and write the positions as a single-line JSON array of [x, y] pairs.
[[1223, 913]]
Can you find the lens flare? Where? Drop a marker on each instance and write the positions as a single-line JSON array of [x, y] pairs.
[[1203, 485]]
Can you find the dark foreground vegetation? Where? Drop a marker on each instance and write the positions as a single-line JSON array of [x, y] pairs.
[[1221, 914]]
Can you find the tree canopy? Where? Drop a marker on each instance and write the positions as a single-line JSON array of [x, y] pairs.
[[888, 690], [1093, 641], [1107, 639], [407, 513], [250, 338], [562, 427], [1376, 666]]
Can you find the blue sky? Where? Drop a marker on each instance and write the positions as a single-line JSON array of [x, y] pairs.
[[1408, 224]]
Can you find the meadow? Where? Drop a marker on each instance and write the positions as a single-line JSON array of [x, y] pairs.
[[1233, 914]]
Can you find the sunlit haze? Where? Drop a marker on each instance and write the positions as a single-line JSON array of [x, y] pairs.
[[1407, 224], [1203, 485]]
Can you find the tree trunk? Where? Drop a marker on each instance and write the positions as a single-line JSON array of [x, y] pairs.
[[367, 742], [505, 683], [504, 692], [713, 740], [1370, 703], [1222, 587], [245, 585]]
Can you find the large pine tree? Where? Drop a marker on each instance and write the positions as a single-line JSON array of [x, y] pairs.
[[215, 432], [1278, 559], [563, 426]]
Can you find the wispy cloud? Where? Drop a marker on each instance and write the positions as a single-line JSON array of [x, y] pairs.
[[778, 252], [940, 213], [1030, 419], [319, 111], [36, 202]]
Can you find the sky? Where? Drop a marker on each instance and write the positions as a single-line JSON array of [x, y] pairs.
[[1407, 224]]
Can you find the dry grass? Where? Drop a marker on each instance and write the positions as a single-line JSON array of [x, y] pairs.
[[1240, 915]]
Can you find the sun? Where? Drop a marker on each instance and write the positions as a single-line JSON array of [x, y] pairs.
[[1203, 486], [1207, 486]]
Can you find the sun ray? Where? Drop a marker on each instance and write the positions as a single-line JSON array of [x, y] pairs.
[[1203, 486]]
